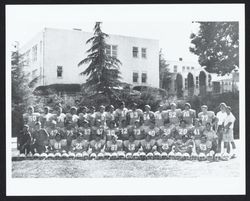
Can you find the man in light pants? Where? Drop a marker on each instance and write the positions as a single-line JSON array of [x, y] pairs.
[[228, 136], [220, 118]]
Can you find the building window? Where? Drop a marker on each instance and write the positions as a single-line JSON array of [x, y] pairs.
[[114, 51], [175, 68], [108, 50], [144, 53], [188, 68], [186, 83], [34, 53], [183, 68], [27, 57], [135, 77], [144, 77], [135, 52], [197, 82], [59, 71], [192, 68]]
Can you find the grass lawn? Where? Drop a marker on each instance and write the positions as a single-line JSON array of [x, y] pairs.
[[123, 168]]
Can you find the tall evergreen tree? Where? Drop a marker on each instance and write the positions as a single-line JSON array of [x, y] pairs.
[[217, 45], [103, 69], [165, 75]]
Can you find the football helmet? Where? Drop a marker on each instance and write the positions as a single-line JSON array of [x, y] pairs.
[[157, 155], [185, 156], [217, 157], [171, 155], [178, 156], [164, 155], [194, 156], [78, 155], [51, 156], [36, 155], [100, 156], [202, 157]]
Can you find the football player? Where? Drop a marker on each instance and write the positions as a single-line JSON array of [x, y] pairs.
[[86, 130], [206, 116], [110, 114], [46, 117], [138, 131], [174, 115], [30, 118], [134, 114], [204, 148], [148, 147], [148, 116], [182, 129], [188, 115], [24, 140], [101, 115], [211, 136], [197, 131], [167, 128], [152, 130], [121, 113], [124, 130], [165, 143], [160, 116], [114, 148], [111, 130], [57, 145], [185, 146], [79, 145], [98, 131], [75, 117], [97, 148], [131, 147], [91, 116]]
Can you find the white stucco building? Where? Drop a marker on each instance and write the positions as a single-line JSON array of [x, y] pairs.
[[54, 54]]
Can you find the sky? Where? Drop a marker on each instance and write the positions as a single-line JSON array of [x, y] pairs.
[[171, 24], [173, 36]]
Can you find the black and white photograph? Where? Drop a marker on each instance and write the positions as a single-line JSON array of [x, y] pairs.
[[111, 98]]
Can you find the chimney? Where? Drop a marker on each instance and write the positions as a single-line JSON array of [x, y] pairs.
[[180, 59]]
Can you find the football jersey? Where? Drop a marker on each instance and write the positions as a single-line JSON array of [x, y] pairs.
[[86, 133], [97, 145], [114, 147], [211, 136], [206, 117], [197, 131], [31, 119], [174, 116], [109, 132], [204, 147], [124, 132], [110, 116], [138, 133], [147, 145], [159, 118], [188, 116], [121, 114], [166, 130], [131, 146], [185, 146], [60, 120], [97, 131], [182, 131], [91, 118], [164, 145], [101, 116], [147, 116], [134, 115], [58, 145], [152, 132], [79, 145]]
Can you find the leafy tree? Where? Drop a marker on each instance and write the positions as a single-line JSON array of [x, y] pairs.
[[217, 45], [103, 70], [165, 75]]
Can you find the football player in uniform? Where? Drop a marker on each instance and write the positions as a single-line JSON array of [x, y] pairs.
[[124, 130], [110, 114], [204, 148], [59, 117], [98, 131], [80, 146], [131, 147], [148, 116], [185, 146], [114, 148], [167, 128], [91, 116], [30, 118], [121, 113], [75, 117], [211, 136], [111, 130], [219, 125], [40, 139], [148, 147], [188, 115], [182, 129], [165, 143], [86, 131], [197, 131], [97, 148], [152, 130], [24, 140], [58, 145], [174, 115], [101, 115], [138, 131], [46, 117], [134, 114], [160, 116], [206, 116]]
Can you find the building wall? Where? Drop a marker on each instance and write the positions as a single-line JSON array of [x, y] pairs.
[[66, 48]]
